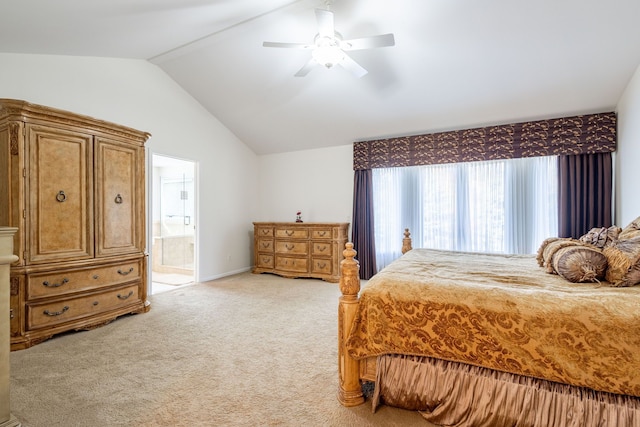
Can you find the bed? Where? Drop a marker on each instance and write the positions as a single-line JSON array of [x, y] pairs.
[[473, 339]]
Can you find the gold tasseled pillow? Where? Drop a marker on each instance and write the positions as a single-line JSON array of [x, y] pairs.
[[551, 246], [624, 262], [580, 263]]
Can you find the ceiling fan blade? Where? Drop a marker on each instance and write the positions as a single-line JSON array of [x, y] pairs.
[[307, 67], [383, 40], [353, 67], [288, 45], [325, 23]]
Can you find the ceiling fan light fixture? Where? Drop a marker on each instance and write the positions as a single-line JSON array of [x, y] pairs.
[[327, 55], [329, 49]]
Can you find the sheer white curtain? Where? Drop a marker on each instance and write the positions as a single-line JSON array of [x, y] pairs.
[[501, 206]]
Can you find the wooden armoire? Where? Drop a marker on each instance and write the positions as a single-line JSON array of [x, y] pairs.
[[74, 186]]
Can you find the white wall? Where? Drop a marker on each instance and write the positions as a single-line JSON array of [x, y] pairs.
[[627, 197], [138, 94], [317, 182]]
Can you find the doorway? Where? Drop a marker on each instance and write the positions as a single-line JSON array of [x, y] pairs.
[[173, 223]]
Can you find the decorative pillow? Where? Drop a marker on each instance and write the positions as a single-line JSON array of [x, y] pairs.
[[552, 246], [624, 262], [580, 263], [543, 246], [601, 237], [631, 231]]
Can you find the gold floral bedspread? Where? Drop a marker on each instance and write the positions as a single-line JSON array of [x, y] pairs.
[[502, 312]]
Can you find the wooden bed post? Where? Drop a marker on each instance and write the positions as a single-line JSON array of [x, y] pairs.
[[406, 241], [349, 389]]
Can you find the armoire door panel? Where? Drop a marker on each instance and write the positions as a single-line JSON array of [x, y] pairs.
[[117, 216], [60, 195]]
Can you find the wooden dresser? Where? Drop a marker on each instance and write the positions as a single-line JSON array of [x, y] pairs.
[[294, 249], [74, 187]]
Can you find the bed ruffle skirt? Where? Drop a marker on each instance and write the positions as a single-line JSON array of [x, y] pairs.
[[454, 394]]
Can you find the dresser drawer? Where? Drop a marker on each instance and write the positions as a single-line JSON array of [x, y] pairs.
[[264, 231], [295, 265], [66, 282], [321, 249], [321, 233], [265, 245], [321, 266], [291, 247], [265, 261], [41, 315], [292, 233]]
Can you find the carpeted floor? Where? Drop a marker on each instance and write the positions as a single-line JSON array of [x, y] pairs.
[[247, 350]]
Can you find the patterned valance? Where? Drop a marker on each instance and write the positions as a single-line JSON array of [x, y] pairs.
[[593, 133]]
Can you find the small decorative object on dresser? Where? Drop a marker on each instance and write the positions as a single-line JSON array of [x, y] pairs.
[[299, 216], [74, 187], [294, 249]]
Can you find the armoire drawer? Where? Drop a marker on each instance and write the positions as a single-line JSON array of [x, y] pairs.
[[42, 285], [41, 315]]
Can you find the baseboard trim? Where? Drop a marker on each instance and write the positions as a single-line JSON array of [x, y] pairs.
[[220, 276]]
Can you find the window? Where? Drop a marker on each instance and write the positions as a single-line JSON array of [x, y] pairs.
[[499, 206]]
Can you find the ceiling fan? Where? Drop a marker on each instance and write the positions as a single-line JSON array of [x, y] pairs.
[[329, 49]]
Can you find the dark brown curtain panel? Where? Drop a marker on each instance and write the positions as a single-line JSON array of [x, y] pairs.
[[362, 230], [584, 193]]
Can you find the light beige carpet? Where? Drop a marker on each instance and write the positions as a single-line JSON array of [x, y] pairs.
[[248, 350]]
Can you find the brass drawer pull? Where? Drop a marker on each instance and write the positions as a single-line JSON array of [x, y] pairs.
[[322, 265], [322, 248], [289, 247], [55, 285], [124, 273], [265, 232], [289, 232], [118, 199], [61, 197], [266, 245], [125, 296], [322, 233], [56, 313]]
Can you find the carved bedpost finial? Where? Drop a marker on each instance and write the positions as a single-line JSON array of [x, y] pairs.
[[406, 242], [350, 272]]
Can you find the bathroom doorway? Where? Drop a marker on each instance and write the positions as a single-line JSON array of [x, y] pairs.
[[173, 223]]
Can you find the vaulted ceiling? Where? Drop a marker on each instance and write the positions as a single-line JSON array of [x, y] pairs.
[[455, 64]]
